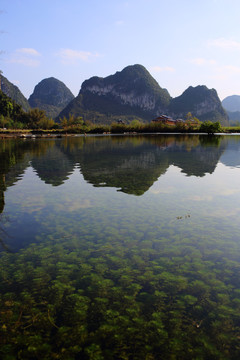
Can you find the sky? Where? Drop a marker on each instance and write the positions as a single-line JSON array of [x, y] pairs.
[[181, 43]]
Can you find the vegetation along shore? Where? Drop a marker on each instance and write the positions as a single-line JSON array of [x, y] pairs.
[[14, 121]]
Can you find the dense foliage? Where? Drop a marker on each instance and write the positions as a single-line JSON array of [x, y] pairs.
[[12, 116], [14, 93], [10, 112], [210, 127]]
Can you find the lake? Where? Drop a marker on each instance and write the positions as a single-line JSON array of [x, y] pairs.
[[120, 247]]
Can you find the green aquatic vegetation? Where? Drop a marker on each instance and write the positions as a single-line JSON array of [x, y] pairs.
[[108, 303]]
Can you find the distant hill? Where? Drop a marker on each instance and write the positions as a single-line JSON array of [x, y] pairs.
[[134, 93], [202, 102], [14, 93], [50, 95], [234, 118], [232, 106], [231, 103], [128, 94]]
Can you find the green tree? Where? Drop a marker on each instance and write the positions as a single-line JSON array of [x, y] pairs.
[[189, 116], [35, 117], [64, 122], [46, 123], [136, 123], [210, 127]]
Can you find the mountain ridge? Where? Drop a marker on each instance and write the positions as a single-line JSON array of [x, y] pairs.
[[129, 94], [134, 92]]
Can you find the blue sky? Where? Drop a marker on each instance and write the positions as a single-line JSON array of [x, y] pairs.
[[180, 42]]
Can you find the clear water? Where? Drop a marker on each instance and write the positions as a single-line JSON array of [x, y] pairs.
[[157, 216]]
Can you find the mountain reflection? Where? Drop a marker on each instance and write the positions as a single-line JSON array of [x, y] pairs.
[[53, 167], [130, 164], [231, 157]]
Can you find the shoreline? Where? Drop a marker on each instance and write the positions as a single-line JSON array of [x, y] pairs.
[[59, 133], [30, 135]]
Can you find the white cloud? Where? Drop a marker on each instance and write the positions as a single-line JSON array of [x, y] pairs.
[[219, 72], [229, 192], [225, 44], [230, 69], [26, 57], [25, 61], [225, 72], [165, 190], [70, 56], [201, 198], [202, 61], [157, 69], [28, 51]]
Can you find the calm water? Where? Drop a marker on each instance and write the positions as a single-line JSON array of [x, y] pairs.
[[120, 247]]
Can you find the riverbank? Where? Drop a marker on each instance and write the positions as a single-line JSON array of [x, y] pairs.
[[58, 133], [61, 135]]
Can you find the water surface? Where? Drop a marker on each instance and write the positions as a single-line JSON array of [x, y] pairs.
[[118, 247]]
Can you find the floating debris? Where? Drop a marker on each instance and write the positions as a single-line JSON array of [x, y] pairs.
[[183, 217]]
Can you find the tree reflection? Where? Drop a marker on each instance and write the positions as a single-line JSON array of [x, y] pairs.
[[130, 164]]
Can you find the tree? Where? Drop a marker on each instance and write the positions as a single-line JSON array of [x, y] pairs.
[[135, 123], [35, 117], [192, 121], [210, 127], [189, 116], [72, 121], [46, 123], [64, 122]]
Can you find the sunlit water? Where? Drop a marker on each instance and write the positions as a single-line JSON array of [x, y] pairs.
[[163, 211]]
